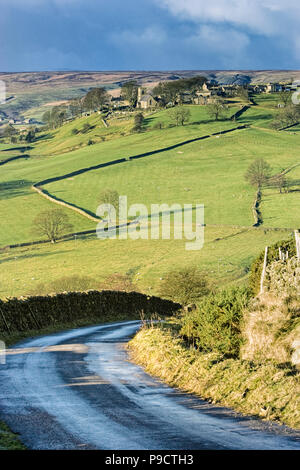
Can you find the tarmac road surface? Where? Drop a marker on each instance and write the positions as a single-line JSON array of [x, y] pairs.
[[77, 390]]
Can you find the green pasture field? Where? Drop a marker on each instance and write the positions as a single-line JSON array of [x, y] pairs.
[[19, 202], [63, 140], [225, 257], [209, 171]]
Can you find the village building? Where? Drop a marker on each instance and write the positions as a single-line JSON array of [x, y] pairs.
[[202, 98], [273, 88], [145, 99], [205, 95], [184, 98], [256, 88], [205, 87], [267, 88]]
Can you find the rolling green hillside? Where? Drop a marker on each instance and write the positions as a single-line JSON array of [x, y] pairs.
[[172, 168]]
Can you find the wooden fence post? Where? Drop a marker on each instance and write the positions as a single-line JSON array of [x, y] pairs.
[[297, 239], [263, 272]]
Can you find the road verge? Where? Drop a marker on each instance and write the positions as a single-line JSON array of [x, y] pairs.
[[261, 390]]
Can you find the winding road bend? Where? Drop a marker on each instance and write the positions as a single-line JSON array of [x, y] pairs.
[[77, 390]]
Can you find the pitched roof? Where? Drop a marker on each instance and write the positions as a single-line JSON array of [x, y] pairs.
[[146, 97]]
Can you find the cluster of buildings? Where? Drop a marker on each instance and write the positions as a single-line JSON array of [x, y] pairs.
[[209, 89], [16, 122]]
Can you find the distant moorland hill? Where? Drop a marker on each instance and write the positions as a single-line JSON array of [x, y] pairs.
[[31, 90]]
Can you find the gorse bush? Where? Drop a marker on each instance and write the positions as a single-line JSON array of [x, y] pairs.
[[185, 286], [216, 324]]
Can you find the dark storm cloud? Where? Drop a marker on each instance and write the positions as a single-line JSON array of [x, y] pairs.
[[148, 34]]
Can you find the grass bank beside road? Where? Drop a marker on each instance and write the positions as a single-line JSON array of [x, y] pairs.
[[9, 440], [263, 390]]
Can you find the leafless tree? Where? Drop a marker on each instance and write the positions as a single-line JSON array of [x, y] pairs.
[[110, 198], [284, 97], [179, 115], [52, 223], [217, 108], [258, 173]]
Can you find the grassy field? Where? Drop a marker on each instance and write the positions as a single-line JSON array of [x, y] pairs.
[[19, 202], [63, 140], [226, 257], [207, 171]]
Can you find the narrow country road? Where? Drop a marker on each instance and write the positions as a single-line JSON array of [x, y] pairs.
[[77, 390]]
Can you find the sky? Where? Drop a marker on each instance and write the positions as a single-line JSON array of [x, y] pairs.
[[149, 34]]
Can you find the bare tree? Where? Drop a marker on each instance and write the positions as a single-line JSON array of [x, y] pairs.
[[52, 223], [9, 131], [111, 198], [217, 108], [55, 117], [287, 116], [281, 183], [284, 97], [138, 122], [243, 93], [179, 115], [258, 173]]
